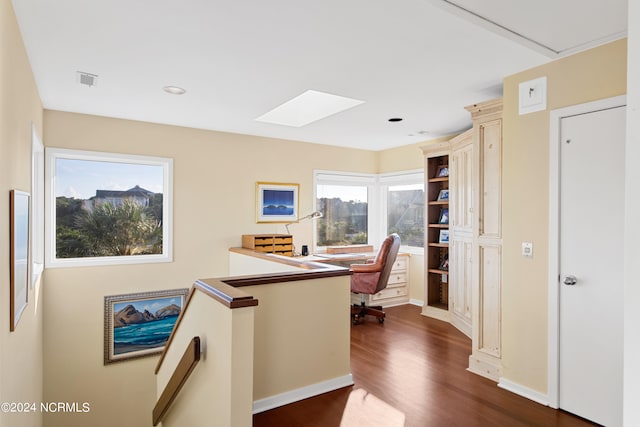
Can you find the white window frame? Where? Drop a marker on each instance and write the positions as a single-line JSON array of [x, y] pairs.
[[37, 206], [386, 180], [52, 154], [323, 177], [377, 186]]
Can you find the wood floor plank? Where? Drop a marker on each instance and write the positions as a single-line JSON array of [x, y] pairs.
[[418, 365]]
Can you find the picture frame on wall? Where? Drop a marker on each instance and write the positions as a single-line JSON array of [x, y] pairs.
[[139, 324], [19, 255], [277, 202]]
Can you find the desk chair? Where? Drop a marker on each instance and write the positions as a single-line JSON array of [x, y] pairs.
[[372, 277]]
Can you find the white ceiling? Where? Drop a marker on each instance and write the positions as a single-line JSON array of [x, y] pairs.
[[421, 60]]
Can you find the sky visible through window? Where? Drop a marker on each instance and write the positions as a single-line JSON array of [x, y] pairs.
[[346, 193], [81, 178]]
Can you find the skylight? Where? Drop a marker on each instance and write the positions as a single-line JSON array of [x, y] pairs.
[[307, 108]]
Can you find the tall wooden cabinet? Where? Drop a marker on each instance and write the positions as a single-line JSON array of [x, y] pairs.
[[461, 225], [486, 350], [467, 294], [447, 277]]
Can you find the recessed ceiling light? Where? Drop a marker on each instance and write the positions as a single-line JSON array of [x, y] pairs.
[[308, 107], [174, 90], [395, 119]]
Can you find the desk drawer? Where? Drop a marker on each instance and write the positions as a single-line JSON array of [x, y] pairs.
[[400, 264], [397, 277], [282, 240], [283, 248], [390, 293]]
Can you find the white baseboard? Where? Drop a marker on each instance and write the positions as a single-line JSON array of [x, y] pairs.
[[301, 393], [417, 302], [523, 391]]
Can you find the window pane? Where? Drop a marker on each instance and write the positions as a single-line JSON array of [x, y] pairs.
[[344, 214], [405, 213], [108, 208]]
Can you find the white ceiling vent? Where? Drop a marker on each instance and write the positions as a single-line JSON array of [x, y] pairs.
[[87, 79]]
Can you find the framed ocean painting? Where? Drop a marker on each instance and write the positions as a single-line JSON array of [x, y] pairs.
[[137, 325], [276, 202]]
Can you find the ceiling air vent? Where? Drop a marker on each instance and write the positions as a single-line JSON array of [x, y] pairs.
[[87, 79]]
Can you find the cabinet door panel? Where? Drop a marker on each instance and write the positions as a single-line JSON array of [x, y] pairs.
[[490, 304], [462, 188], [461, 282], [490, 150]]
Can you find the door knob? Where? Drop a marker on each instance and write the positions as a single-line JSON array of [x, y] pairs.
[[570, 280]]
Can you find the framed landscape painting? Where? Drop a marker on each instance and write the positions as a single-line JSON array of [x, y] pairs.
[[276, 202], [137, 325]]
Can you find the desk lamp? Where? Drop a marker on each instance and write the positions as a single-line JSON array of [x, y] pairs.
[[316, 214]]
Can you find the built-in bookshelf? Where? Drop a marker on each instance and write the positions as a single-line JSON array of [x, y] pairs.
[[437, 250]]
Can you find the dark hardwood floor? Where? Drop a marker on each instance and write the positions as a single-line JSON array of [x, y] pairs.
[[418, 365]]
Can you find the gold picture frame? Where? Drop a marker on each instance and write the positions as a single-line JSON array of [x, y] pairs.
[[138, 325]]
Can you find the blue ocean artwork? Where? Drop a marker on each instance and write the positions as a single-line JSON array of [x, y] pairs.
[[142, 335], [277, 202], [144, 324]]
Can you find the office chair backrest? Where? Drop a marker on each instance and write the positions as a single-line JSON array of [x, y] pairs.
[[387, 254]]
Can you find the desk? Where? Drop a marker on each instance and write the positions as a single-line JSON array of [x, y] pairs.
[[342, 260], [397, 290]]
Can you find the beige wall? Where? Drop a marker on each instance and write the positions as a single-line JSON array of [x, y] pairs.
[[212, 172], [302, 335], [595, 74], [408, 157], [20, 351]]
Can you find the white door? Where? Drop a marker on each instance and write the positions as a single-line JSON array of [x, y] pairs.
[[591, 264]]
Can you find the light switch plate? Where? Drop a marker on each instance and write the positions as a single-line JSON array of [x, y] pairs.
[[527, 249], [533, 95]]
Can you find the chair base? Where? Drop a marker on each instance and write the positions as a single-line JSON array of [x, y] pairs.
[[358, 311]]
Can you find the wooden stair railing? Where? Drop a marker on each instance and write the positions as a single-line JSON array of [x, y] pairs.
[[187, 363]]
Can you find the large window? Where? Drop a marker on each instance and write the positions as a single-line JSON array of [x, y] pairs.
[[106, 208], [344, 201], [404, 197], [344, 211], [364, 208]]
